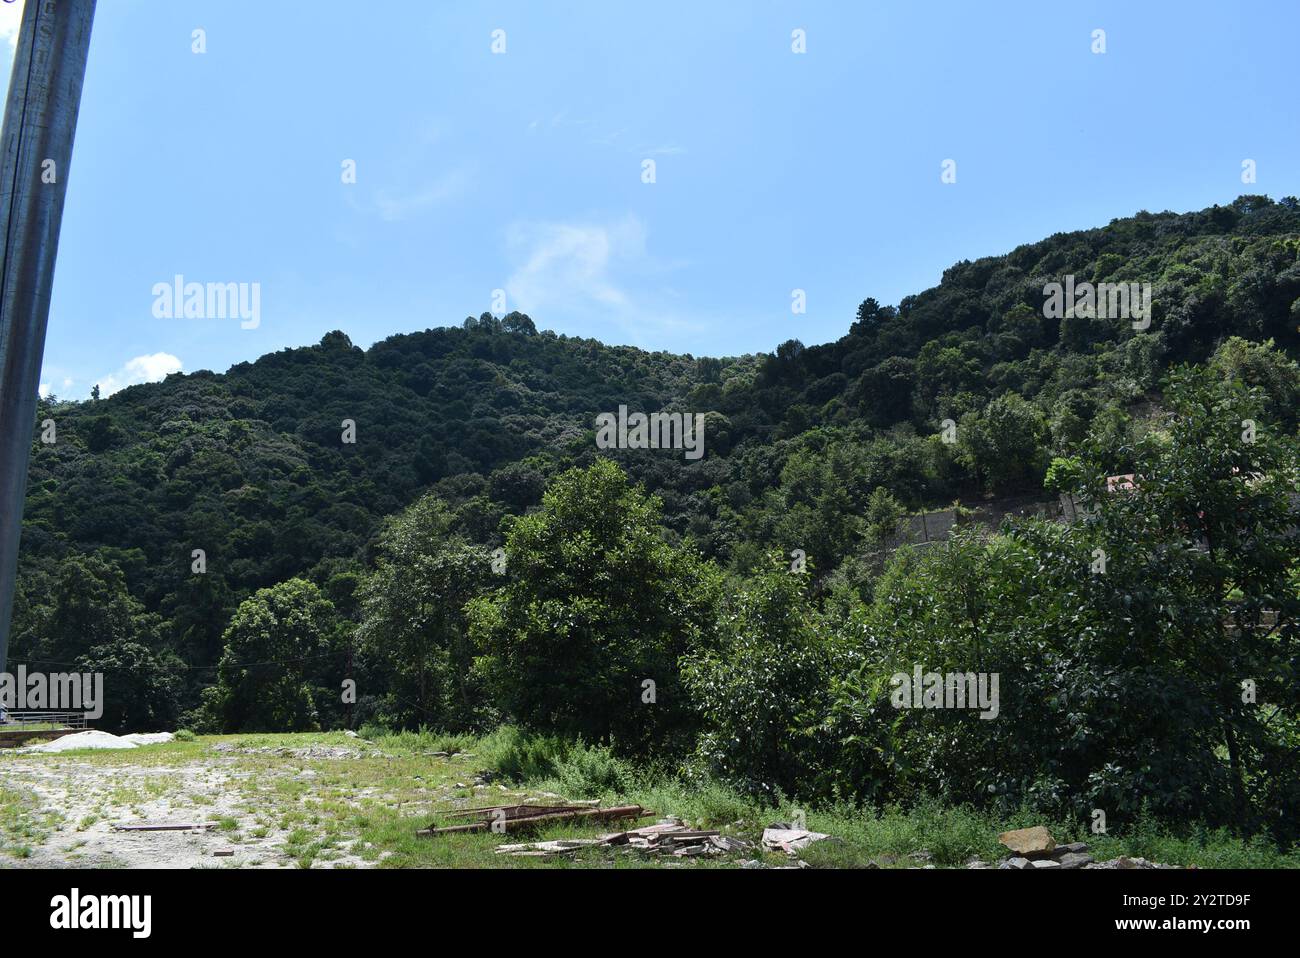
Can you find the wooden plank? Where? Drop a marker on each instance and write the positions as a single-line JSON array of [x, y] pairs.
[[166, 827]]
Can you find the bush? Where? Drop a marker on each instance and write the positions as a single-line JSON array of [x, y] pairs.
[[521, 756], [762, 695], [591, 772]]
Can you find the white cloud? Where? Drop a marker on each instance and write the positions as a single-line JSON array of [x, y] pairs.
[[11, 15], [572, 264], [141, 369], [46, 389], [392, 206], [597, 272]]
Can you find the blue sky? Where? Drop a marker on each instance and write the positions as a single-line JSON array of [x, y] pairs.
[[522, 171]]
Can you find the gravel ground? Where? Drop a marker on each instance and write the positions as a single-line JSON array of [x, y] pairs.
[[78, 802]]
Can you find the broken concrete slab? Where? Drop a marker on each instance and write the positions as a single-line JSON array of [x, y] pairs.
[[541, 849], [780, 836]]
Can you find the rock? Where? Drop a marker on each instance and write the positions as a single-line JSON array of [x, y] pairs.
[[1074, 860], [1125, 863], [1045, 863], [1074, 847], [978, 864], [1029, 842], [1017, 863]]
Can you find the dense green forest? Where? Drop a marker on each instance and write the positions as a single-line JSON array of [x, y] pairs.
[[473, 558]]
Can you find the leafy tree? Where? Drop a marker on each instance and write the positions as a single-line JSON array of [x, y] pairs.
[[1265, 366], [763, 692], [1202, 553], [884, 512], [1124, 672], [1002, 447], [412, 624], [88, 604], [276, 645], [596, 604], [141, 686]]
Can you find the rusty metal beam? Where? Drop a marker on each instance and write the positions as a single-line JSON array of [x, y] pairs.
[[532, 821]]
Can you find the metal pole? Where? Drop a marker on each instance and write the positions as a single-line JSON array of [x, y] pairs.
[[35, 151]]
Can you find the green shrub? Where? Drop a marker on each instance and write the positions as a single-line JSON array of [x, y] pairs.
[[763, 695], [521, 756], [590, 772]]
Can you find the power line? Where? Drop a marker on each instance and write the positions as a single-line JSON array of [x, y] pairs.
[[192, 668]]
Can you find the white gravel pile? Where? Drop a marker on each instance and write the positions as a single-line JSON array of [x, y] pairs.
[[149, 738], [87, 739]]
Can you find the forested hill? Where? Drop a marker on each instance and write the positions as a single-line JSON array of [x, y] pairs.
[[1225, 271], [251, 466], [811, 445]]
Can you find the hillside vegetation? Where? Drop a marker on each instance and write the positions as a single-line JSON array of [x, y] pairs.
[[474, 559]]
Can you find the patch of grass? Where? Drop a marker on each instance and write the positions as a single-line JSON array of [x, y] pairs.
[[22, 823], [1204, 847], [424, 741], [371, 806]]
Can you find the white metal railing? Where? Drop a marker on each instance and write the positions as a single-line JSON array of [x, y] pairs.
[[30, 720]]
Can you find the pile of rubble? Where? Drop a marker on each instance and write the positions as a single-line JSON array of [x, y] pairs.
[[673, 837], [1033, 848], [1029, 848], [669, 836]]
